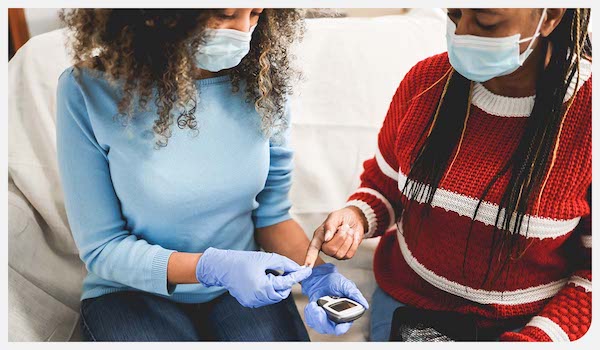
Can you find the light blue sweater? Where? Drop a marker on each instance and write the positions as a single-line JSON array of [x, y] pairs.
[[130, 205]]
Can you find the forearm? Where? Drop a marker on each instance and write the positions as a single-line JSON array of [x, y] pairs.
[[286, 238], [181, 268]]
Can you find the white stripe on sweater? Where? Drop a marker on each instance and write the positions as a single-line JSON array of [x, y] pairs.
[[531, 227], [579, 281], [385, 167], [549, 327], [482, 296]]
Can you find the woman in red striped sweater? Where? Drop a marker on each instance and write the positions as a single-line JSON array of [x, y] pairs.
[[481, 185]]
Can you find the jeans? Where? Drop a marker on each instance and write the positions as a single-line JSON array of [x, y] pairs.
[[140, 316], [383, 306]]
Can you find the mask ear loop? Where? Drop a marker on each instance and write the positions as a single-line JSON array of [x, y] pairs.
[[536, 34]]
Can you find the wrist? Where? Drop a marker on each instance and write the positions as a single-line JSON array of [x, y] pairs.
[[181, 268], [360, 215], [205, 272]]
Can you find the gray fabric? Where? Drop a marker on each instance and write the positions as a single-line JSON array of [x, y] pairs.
[[421, 333], [53, 321]]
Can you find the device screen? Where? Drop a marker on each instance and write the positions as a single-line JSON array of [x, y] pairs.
[[342, 305]]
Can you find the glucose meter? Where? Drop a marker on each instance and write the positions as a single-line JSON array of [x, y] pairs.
[[341, 310]]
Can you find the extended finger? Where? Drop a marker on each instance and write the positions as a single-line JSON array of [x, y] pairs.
[[314, 247]]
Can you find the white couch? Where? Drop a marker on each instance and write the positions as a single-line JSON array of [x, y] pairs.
[[352, 67]]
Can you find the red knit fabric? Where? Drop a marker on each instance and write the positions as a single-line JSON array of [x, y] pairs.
[[432, 268]]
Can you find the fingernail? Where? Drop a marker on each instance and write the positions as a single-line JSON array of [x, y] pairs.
[[328, 235]]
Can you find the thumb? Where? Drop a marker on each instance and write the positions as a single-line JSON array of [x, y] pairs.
[[282, 283], [280, 262], [357, 296], [350, 290]]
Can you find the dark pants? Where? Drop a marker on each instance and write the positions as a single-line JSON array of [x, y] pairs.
[[139, 316]]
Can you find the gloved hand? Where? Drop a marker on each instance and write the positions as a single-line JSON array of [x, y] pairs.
[[325, 280], [242, 273]]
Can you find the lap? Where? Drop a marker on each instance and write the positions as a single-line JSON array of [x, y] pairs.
[[383, 306], [277, 322], [140, 316], [135, 316]]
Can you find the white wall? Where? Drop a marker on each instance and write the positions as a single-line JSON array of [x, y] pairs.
[[363, 12], [40, 20]]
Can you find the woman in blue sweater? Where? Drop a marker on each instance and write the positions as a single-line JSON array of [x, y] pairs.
[[172, 136]]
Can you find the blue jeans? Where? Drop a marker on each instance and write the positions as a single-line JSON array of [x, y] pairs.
[[140, 316], [383, 306]]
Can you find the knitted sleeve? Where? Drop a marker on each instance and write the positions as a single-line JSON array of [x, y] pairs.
[[568, 315], [378, 196]]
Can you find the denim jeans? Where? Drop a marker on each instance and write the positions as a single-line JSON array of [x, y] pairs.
[[383, 306], [140, 316]]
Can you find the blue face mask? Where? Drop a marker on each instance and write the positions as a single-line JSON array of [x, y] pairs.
[[223, 49], [481, 58]]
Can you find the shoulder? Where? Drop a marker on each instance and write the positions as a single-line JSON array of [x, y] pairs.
[[428, 71], [423, 76], [82, 77], [581, 86], [67, 81]]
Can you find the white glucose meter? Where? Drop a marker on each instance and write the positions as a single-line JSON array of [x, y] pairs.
[[341, 310]]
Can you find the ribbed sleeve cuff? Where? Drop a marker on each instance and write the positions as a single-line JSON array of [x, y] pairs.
[[158, 273], [377, 210], [369, 213]]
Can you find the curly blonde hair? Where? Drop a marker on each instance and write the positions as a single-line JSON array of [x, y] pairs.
[[153, 48]]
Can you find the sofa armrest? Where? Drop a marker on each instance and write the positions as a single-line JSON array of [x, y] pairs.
[[43, 287]]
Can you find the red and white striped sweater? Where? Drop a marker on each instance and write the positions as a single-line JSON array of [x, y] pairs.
[[549, 287]]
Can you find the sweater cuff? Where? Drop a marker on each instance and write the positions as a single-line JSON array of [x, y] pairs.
[[377, 210], [160, 284], [369, 213]]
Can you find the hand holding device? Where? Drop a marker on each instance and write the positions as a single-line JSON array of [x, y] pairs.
[[325, 281]]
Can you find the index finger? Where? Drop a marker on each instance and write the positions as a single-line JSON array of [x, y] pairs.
[[315, 246]]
